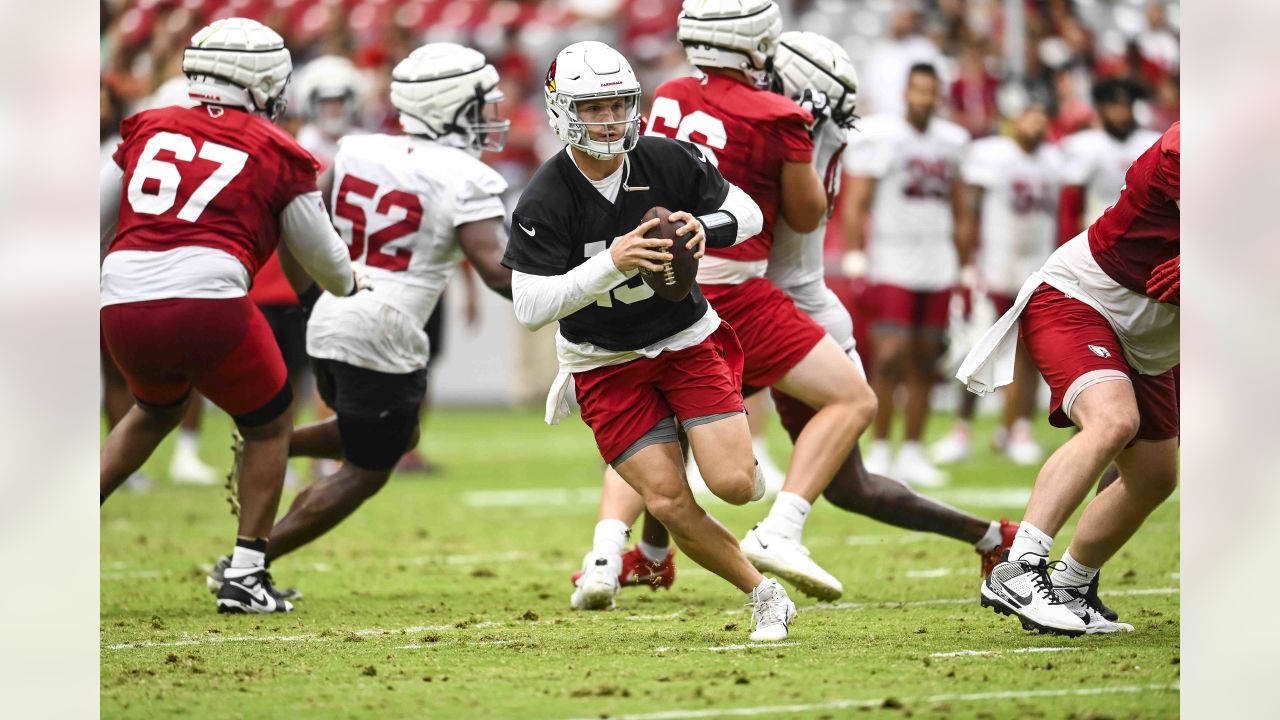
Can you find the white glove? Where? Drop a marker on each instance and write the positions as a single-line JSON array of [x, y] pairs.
[[854, 264], [360, 280], [969, 278], [817, 104]]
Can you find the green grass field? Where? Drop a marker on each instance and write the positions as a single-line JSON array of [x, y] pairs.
[[447, 597]]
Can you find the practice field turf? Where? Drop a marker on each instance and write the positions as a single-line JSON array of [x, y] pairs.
[[448, 597]]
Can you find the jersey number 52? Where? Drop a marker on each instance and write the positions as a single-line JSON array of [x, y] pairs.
[[386, 247]]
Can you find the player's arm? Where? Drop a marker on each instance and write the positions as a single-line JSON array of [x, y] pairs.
[[803, 199], [858, 191], [725, 215], [311, 245], [965, 201], [542, 299], [483, 242], [325, 183], [110, 188]]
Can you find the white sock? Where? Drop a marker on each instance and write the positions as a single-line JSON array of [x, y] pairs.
[[188, 443], [760, 487], [1074, 574], [1021, 429], [786, 517], [1030, 540], [991, 540], [764, 584], [911, 448], [653, 553], [611, 537], [880, 447], [243, 557]]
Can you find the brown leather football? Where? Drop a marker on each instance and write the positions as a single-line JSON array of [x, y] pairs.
[[677, 276]]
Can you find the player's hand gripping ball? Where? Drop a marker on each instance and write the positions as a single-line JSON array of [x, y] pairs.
[[676, 278]]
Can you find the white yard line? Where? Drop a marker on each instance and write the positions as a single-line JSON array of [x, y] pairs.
[[931, 573], [971, 653], [729, 648], [213, 640], [878, 702]]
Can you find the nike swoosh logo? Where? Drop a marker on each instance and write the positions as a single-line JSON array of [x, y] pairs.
[[257, 596], [1022, 600], [527, 230]]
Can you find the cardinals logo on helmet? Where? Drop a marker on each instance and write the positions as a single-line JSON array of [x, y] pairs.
[[551, 77]]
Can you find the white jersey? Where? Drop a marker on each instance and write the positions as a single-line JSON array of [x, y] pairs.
[[318, 144], [912, 240], [1019, 209], [796, 258], [397, 201], [1098, 161]]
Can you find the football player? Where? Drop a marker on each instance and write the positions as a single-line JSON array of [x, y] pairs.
[[328, 90], [639, 363], [1012, 186], [1096, 160], [816, 70], [194, 201], [760, 141], [904, 174], [411, 207], [1100, 321]]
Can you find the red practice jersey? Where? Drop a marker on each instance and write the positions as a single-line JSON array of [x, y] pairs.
[[209, 177], [1140, 231], [748, 133]]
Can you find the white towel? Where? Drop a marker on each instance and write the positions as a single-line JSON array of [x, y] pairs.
[[989, 365]]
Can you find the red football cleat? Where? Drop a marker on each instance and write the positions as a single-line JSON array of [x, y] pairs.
[[637, 570], [994, 557]]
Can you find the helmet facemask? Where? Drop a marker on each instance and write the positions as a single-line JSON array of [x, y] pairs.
[[602, 139], [480, 121]]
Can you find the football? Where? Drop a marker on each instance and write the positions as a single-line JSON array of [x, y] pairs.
[[676, 279]]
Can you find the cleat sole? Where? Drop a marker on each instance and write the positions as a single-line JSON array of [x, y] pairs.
[[804, 583]]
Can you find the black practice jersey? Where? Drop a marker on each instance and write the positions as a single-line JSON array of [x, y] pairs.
[[562, 220]]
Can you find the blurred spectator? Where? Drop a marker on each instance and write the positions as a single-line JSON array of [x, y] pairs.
[[973, 93], [885, 77]]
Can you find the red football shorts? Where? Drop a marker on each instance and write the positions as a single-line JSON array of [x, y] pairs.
[[775, 335], [1001, 302], [917, 310], [223, 347], [1075, 348], [620, 403]]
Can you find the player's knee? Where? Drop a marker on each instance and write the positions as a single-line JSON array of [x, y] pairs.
[[1116, 428], [670, 508], [735, 486]]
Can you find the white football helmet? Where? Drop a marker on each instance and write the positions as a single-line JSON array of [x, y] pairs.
[[240, 63], [737, 34], [809, 61], [587, 71], [330, 77], [445, 90]]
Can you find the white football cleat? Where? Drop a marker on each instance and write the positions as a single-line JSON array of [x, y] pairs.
[[878, 458], [771, 612], [187, 468], [790, 561], [1022, 448], [915, 470], [956, 446], [1076, 599], [1024, 589], [598, 585]]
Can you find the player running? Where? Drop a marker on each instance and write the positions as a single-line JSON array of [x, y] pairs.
[[194, 202], [1011, 184], [904, 173], [410, 207], [637, 360], [760, 141], [1100, 320]]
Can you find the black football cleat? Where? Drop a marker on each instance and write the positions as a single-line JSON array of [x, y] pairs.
[[249, 590]]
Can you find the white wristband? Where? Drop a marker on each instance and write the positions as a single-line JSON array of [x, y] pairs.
[[854, 264]]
